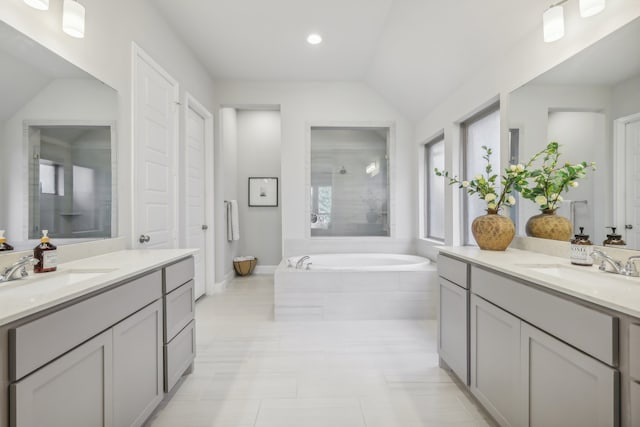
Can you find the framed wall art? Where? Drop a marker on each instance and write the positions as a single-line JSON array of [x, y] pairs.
[[263, 191]]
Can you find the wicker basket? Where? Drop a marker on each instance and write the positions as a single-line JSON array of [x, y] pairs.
[[245, 267]]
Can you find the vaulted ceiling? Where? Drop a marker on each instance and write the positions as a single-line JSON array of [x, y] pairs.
[[413, 52]]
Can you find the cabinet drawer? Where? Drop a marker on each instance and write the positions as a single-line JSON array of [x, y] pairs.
[[634, 351], [178, 274], [178, 355], [179, 310], [589, 330], [453, 270], [36, 343]]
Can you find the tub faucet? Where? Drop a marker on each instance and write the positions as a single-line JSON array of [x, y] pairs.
[[629, 269], [19, 267], [301, 261]]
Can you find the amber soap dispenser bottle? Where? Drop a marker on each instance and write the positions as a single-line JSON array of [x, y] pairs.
[[4, 246], [46, 254]]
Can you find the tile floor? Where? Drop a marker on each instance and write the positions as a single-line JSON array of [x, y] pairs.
[[253, 372]]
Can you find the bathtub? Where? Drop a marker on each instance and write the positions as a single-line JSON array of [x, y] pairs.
[[357, 287]]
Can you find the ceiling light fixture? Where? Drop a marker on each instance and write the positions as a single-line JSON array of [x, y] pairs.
[[314, 38], [38, 4], [73, 19], [553, 23], [553, 18], [591, 7]]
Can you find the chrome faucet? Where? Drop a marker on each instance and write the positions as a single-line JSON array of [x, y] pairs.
[[301, 261], [629, 269], [19, 267]]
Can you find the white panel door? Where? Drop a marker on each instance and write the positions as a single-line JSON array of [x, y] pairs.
[[195, 192], [632, 143], [155, 124]]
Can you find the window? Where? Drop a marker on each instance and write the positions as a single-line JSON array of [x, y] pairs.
[[321, 207], [480, 130], [434, 186], [51, 178]]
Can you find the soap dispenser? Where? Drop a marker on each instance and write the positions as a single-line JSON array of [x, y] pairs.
[[581, 249], [46, 254], [614, 240], [4, 246]]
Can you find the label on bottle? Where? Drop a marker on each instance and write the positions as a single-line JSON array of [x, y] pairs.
[[49, 259], [581, 254]]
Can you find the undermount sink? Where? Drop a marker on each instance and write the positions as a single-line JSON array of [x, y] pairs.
[[563, 271], [42, 283]]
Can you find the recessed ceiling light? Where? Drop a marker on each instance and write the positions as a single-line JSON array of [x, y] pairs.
[[314, 38]]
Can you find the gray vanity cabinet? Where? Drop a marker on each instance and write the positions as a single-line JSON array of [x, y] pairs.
[[102, 360], [522, 374], [137, 353], [495, 361], [453, 324], [564, 387], [74, 390]]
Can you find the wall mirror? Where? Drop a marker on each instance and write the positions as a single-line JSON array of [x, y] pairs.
[[57, 145], [590, 104], [349, 185]]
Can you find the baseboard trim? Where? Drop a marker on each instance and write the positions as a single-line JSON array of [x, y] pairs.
[[218, 287]]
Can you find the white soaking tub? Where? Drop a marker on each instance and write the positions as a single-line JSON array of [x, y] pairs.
[[356, 286]]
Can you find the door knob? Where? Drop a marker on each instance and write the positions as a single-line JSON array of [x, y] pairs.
[[205, 227], [144, 238]]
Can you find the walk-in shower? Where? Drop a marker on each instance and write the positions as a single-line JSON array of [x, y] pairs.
[[349, 181]]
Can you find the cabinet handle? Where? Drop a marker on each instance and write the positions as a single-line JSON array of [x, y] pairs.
[[628, 227], [205, 227], [144, 238]]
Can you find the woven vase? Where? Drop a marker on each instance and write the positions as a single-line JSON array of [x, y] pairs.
[[493, 232], [548, 225]]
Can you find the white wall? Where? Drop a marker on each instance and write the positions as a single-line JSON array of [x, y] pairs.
[[528, 59], [259, 156], [105, 52], [626, 98], [346, 103]]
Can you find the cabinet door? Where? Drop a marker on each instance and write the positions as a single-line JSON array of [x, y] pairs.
[[564, 387], [74, 390], [495, 361], [137, 361], [453, 343]]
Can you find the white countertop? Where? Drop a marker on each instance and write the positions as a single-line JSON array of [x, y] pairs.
[[20, 298], [613, 291]]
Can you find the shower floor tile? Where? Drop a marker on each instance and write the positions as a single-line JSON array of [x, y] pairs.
[[251, 371]]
